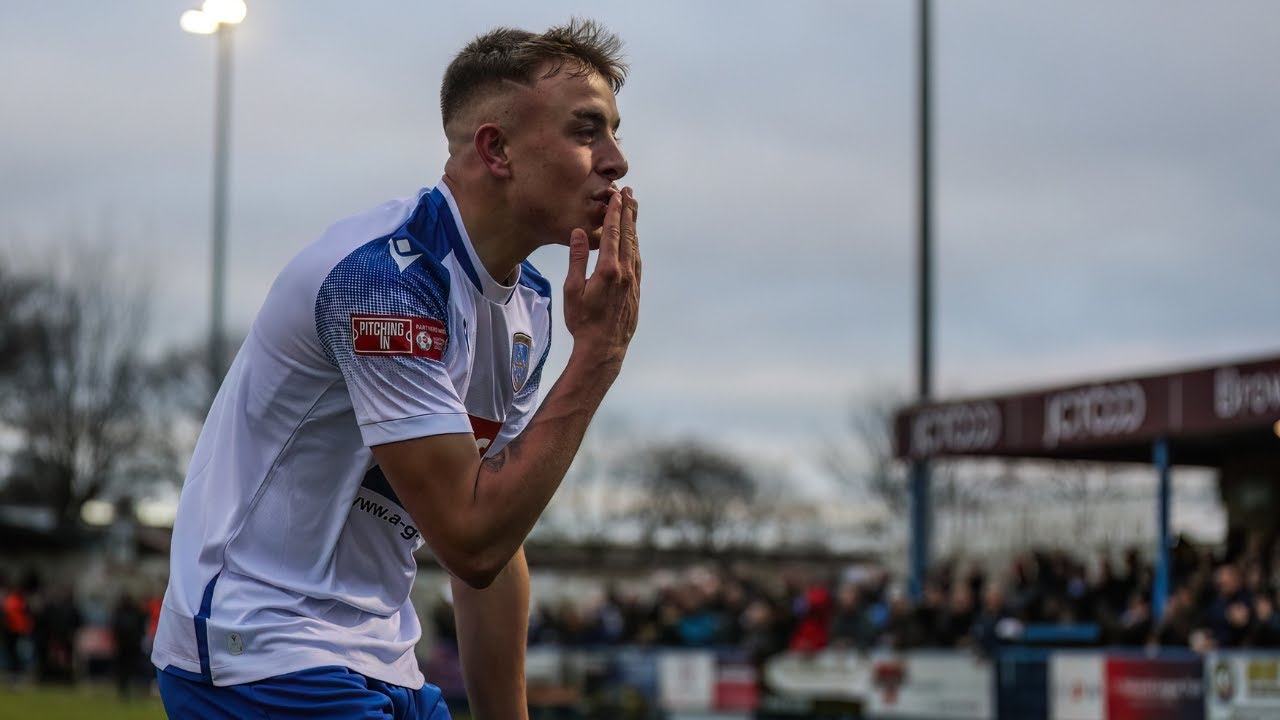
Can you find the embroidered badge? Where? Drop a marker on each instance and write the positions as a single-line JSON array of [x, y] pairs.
[[520, 346]]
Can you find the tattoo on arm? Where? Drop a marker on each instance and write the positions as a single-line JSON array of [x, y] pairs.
[[499, 461], [495, 463]]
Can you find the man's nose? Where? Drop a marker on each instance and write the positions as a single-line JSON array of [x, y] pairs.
[[614, 163]]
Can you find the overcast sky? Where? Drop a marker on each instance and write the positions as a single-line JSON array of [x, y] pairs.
[[1108, 180]]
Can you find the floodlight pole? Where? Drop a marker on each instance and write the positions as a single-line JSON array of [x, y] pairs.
[[221, 142], [921, 511]]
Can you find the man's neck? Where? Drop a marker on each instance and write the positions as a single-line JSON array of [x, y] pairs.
[[498, 247]]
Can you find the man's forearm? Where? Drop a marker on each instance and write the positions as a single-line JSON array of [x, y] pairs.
[[514, 486], [493, 627]]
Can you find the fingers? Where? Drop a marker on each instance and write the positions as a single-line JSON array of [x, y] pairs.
[[628, 240], [579, 248], [610, 235]]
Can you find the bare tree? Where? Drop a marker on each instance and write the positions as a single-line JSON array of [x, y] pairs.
[[695, 493], [20, 299], [863, 461], [581, 509], [71, 390]]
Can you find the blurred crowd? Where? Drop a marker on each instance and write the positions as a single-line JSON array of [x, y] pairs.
[[1217, 600], [1043, 597], [48, 636]]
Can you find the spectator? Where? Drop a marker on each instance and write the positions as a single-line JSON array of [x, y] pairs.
[[811, 633], [18, 622], [1111, 591], [1265, 629], [1179, 620], [988, 626], [8, 639], [761, 636], [731, 603], [928, 616], [850, 626], [956, 622], [1134, 626], [1231, 613], [128, 630], [57, 620], [902, 631], [1023, 597]]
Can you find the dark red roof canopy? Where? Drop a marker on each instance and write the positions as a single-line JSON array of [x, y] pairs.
[[1210, 416]]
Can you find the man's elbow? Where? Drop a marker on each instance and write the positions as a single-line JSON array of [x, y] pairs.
[[477, 570], [478, 578]]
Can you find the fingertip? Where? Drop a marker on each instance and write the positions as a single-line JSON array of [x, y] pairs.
[[579, 247]]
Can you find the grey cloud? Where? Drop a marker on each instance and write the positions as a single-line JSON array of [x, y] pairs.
[[1106, 178]]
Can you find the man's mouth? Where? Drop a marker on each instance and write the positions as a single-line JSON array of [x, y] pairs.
[[604, 195]]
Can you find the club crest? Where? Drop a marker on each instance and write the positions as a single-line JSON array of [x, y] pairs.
[[520, 345]]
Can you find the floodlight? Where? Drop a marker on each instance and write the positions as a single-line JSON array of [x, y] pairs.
[[197, 22], [226, 12]]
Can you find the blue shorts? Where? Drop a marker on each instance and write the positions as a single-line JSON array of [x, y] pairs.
[[323, 692]]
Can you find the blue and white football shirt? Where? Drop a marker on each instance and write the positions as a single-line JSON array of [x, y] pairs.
[[290, 550]]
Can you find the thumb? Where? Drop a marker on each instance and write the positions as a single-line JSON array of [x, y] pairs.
[[579, 249]]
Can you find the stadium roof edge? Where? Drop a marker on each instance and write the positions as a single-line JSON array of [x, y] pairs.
[[1209, 414]]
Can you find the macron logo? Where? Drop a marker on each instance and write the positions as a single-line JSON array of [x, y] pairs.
[[401, 252]]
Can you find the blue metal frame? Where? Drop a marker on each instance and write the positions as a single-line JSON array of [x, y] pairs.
[[921, 520], [1160, 592]]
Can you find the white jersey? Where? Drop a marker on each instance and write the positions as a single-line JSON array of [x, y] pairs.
[[290, 549]]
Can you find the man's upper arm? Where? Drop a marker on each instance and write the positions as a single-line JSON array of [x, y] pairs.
[[389, 332], [434, 477]]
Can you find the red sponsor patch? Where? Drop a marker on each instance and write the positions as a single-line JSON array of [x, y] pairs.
[[398, 335], [485, 431]]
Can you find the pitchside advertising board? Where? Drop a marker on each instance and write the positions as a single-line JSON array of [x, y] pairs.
[[1075, 687], [938, 686], [1095, 686], [1242, 686], [1154, 689], [933, 685]]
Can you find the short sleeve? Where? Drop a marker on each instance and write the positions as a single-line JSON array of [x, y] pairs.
[[385, 324]]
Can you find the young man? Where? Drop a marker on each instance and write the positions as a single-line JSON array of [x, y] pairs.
[[386, 354]]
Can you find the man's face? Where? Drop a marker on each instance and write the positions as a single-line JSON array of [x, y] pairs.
[[564, 156]]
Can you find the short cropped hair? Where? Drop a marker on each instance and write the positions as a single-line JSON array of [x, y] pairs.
[[509, 54]]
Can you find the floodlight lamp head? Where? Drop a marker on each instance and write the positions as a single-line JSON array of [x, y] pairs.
[[212, 15], [225, 12], [198, 23]]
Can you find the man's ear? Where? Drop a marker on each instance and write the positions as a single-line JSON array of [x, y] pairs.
[[491, 147]]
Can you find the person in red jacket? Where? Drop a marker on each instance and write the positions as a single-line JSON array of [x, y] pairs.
[[812, 630], [17, 624]]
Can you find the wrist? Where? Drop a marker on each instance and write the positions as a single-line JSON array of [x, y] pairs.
[[588, 363]]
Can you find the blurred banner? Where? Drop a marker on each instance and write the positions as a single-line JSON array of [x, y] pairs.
[[1033, 684], [935, 685], [1076, 684], [1154, 688], [1242, 686]]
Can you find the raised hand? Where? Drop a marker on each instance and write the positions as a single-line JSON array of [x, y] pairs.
[[601, 311]]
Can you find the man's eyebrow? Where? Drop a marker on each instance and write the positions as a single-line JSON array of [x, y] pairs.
[[597, 118]]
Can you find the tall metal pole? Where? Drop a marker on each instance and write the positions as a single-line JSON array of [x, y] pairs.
[[1164, 571], [221, 142], [921, 513]]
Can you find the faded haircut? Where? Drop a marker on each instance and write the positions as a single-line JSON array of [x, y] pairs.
[[507, 54]]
